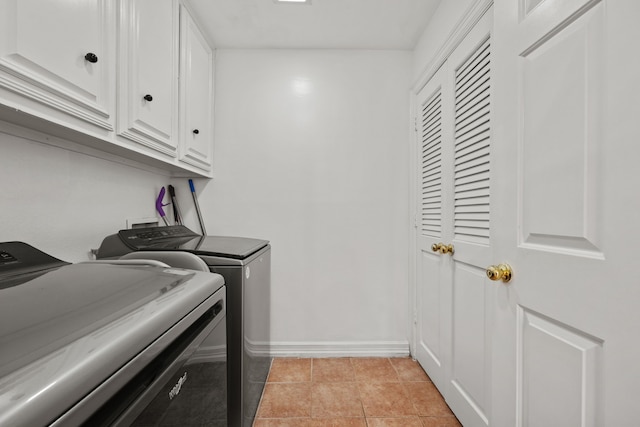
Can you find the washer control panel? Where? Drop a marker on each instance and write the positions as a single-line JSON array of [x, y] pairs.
[[138, 238]]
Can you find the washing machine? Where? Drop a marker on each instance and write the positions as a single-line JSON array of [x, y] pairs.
[[115, 343], [245, 264]]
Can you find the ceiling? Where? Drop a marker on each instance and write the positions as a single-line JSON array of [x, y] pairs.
[[325, 24]]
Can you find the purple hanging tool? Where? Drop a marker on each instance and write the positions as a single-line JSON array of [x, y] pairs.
[[160, 206]]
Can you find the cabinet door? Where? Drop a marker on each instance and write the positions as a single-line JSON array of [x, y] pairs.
[[196, 70], [148, 73], [57, 53]]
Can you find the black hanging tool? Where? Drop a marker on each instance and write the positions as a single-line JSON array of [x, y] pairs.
[[195, 202], [177, 215]]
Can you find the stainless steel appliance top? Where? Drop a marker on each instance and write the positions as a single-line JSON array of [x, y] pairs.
[[65, 331], [178, 237]]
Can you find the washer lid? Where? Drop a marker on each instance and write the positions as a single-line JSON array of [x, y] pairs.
[[222, 246], [54, 309], [65, 332], [225, 246]]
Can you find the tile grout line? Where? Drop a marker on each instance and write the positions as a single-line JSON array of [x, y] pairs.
[[408, 394], [355, 379], [311, 388]]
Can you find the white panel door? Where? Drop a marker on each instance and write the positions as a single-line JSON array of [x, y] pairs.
[[565, 347], [58, 53], [454, 174]]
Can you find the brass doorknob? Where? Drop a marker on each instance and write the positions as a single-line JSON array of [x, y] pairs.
[[446, 249], [500, 272], [442, 248]]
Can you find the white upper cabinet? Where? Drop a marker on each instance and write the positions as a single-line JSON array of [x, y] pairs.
[[57, 55], [196, 89], [148, 73], [106, 74]]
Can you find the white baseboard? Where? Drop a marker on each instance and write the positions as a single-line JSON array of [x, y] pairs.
[[340, 349]]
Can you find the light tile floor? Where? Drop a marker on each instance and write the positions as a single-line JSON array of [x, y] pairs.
[[351, 392]]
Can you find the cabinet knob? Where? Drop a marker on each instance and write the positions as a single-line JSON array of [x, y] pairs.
[[196, 131], [148, 97], [91, 57]]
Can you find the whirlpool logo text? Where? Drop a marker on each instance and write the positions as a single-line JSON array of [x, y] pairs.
[[176, 388]]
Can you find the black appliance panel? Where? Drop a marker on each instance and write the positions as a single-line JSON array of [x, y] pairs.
[[20, 262], [178, 237]]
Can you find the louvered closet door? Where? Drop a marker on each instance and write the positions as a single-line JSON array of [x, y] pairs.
[[454, 185], [433, 275], [472, 302]]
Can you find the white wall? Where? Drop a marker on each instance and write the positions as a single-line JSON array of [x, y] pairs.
[[311, 153], [64, 202]]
